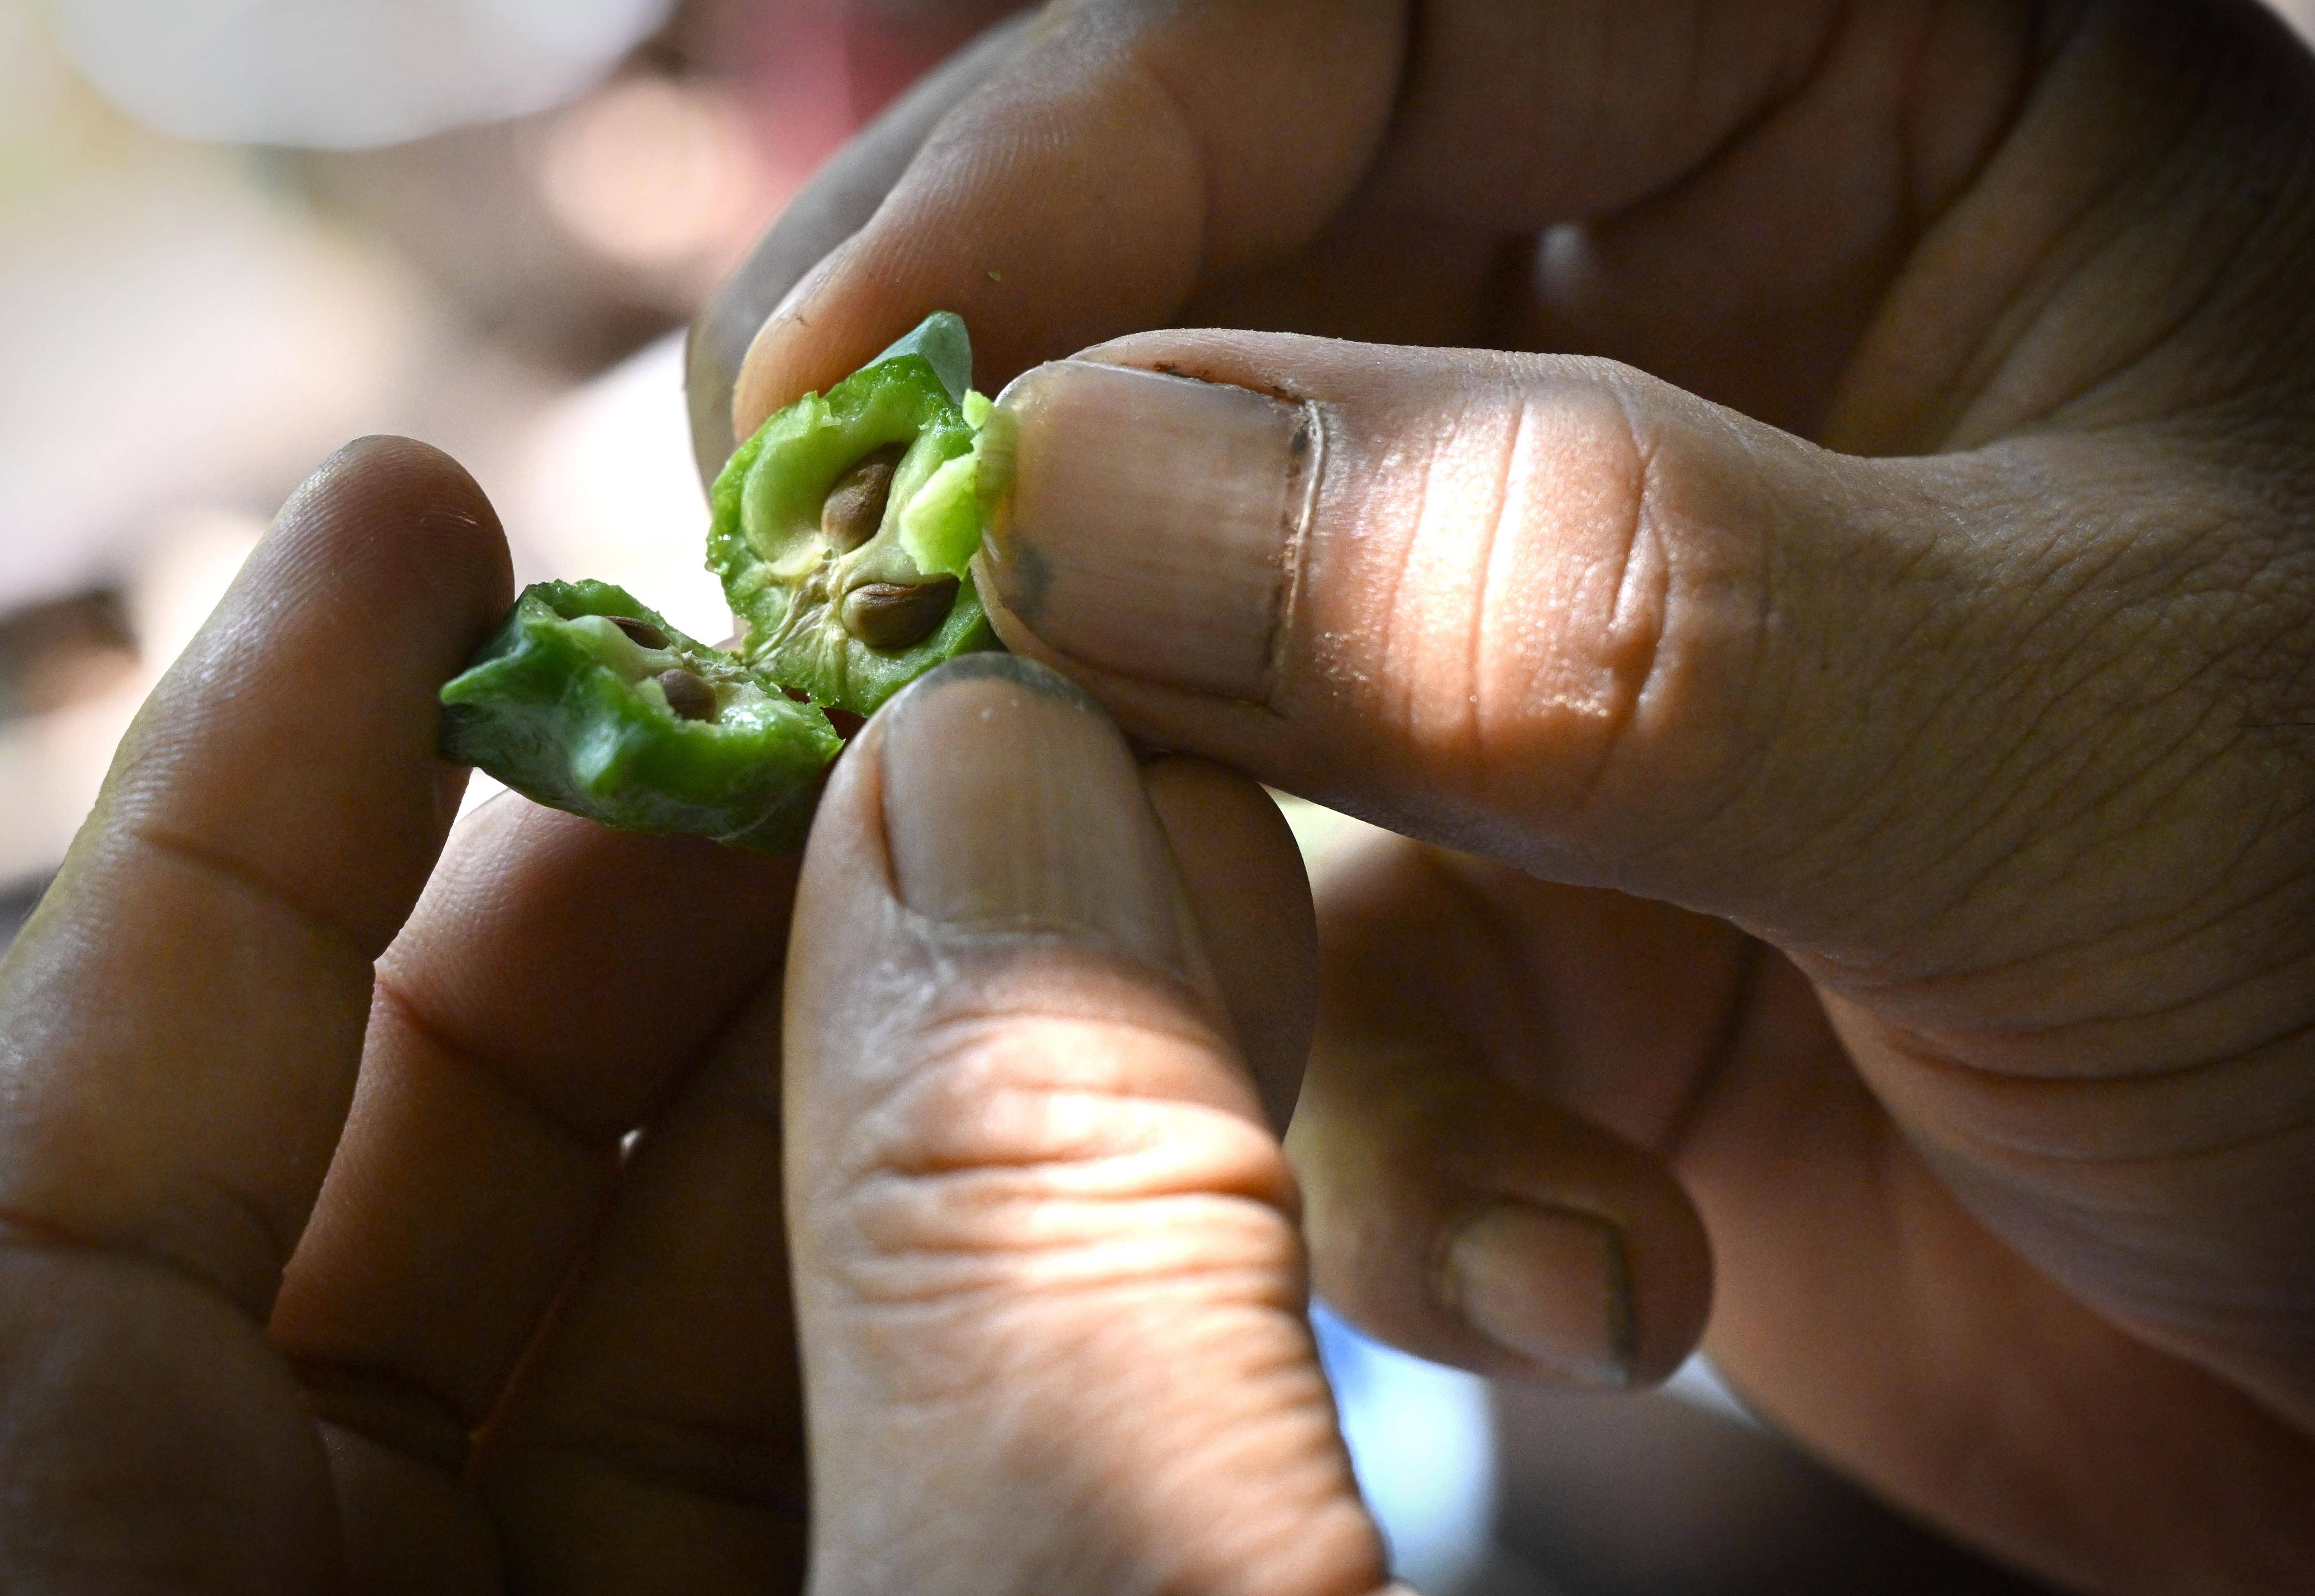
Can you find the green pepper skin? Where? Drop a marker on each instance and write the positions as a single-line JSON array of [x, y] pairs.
[[783, 577], [571, 714]]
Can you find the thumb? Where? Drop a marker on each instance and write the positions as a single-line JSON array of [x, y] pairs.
[[1049, 1288], [1541, 608]]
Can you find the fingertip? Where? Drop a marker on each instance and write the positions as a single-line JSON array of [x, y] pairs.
[[413, 508], [296, 735], [1476, 1226]]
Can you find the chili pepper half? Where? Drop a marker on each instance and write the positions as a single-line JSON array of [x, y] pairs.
[[843, 529], [588, 700]]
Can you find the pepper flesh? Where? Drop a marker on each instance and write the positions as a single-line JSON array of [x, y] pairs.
[[566, 707]]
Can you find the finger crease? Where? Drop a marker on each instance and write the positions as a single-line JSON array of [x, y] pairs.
[[251, 882], [499, 1070]]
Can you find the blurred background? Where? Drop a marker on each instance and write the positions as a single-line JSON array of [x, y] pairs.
[[235, 233]]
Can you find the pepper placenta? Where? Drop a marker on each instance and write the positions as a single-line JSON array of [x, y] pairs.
[[843, 532]]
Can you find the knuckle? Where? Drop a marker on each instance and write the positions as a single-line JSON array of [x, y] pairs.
[[1054, 1152], [1570, 597]]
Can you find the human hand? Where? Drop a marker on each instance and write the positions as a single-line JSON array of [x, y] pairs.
[[1941, 651], [318, 1275]]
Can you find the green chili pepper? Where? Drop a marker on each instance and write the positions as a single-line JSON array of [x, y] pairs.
[[843, 528], [588, 700], [843, 531]]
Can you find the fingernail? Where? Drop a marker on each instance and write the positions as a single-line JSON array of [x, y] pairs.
[[1550, 1285], [1013, 807], [1153, 522]]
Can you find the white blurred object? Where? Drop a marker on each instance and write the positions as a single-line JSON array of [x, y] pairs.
[[607, 489], [52, 765], [1422, 1443], [654, 173], [172, 338], [345, 73]]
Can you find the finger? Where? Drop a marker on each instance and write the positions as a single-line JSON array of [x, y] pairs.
[[183, 1016], [554, 983], [1456, 1204], [1553, 611], [1783, 143], [838, 202], [1049, 1288], [657, 1432], [1121, 154], [656, 1439]]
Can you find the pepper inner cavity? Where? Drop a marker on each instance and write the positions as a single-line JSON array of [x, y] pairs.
[[855, 507]]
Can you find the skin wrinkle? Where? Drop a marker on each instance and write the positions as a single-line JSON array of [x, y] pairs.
[[1397, 697], [2125, 241], [1953, 1055], [1244, 1248], [2024, 305], [249, 882], [1774, 99], [250, 1290], [1743, 783], [1085, 1144], [1617, 718], [2024, 795], [1721, 1051], [1851, 978], [1495, 551], [2012, 1155], [1120, 1132], [498, 1072], [403, 1414], [1200, 160], [960, 1225], [1317, 455]]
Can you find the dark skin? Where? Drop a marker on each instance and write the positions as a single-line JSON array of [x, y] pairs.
[[280, 1225], [1985, 1067], [1955, 1052]]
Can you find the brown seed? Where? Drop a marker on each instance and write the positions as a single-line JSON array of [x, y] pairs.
[[895, 614], [855, 507], [687, 695], [643, 633]]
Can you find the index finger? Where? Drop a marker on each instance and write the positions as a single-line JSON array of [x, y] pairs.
[[181, 1021], [1118, 156]]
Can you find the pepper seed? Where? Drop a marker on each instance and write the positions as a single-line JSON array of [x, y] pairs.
[[687, 695], [896, 615], [642, 633], [855, 507]]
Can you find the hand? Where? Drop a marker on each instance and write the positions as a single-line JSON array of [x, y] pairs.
[[322, 1274], [1929, 626]]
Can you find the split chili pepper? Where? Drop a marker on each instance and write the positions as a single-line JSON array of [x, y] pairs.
[[843, 532], [588, 700]]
